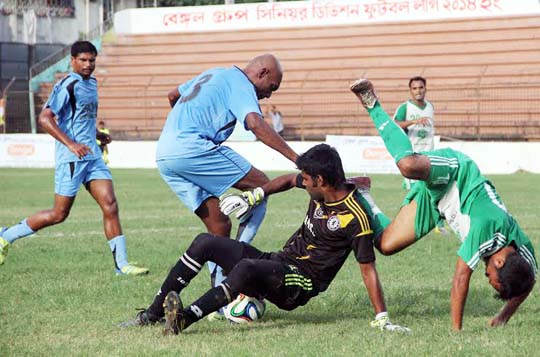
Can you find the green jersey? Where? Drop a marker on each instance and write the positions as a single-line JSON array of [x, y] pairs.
[[421, 136], [457, 191]]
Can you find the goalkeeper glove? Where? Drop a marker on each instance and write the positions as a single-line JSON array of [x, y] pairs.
[[241, 204], [382, 321]]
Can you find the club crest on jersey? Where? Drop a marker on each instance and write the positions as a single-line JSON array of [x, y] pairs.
[[333, 223], [318, 214]]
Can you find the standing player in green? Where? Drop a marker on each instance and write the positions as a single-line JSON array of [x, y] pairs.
[[416, 117], [451, 187]]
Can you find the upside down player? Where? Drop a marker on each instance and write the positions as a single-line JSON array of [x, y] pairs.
[[451, 187], [338, 221]]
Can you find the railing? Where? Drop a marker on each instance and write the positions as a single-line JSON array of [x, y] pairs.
[[65, 51]]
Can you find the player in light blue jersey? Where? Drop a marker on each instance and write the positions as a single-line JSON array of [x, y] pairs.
[[190, 155], [70, 117], [451, 187]]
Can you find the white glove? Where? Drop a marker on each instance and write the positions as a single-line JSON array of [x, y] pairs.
[[241, 204], [382, 321]]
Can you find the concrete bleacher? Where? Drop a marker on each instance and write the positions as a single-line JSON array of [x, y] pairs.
[[483, 74]]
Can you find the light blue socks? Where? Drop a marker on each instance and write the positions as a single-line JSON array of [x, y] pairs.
[[17, 231], [119, 251]]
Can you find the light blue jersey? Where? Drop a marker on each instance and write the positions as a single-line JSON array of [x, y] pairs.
[[206, 113], [74, 102]]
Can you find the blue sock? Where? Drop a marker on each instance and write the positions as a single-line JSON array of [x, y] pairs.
[[17, 231], [119, 251], [249, 227]]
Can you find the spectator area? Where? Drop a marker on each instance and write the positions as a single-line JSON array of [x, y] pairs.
[[483, 74]]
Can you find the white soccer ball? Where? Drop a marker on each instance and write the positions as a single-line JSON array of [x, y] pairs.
[[244, 309]]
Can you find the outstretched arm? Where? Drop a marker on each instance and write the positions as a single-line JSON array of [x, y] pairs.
[[242, 204], [48, 123], [268, 136], [458, 295], [376, 296], [373, 286], [508, 309], [280, 184]]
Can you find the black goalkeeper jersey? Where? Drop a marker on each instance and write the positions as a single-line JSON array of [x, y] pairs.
[[329, 232]]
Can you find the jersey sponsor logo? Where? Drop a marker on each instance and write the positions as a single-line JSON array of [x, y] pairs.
[[333, 223], [309, 225], [318, 214], [441, 180], [88, 111]]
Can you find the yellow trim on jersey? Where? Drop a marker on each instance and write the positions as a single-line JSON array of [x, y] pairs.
[[360, 214], [341, 201], [298, 280], [345, 219]]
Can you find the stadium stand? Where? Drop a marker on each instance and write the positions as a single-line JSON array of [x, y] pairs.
[[483, 74]]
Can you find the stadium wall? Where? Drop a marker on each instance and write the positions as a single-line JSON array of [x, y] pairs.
[[360, 154]]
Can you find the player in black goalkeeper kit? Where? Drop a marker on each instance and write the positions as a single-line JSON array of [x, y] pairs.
[[337, 222]]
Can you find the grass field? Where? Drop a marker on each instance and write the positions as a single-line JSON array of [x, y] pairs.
[[59, 294]]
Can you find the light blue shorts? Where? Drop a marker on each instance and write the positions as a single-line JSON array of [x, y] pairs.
[[69, 176], [211, 174]]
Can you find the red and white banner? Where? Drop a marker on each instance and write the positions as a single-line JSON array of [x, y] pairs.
[[309, 13]]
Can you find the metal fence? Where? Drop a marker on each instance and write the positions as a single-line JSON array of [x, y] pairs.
[[17, 113], [508, 112]]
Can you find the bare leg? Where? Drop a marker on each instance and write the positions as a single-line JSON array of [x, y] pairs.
[[57, 214], [254, 178], [216, 222], [400, 233], [103, 192]]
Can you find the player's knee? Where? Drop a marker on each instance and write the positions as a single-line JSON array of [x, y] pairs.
[[220, 227], [226, 227], [243, 274], [385, 249], [58, 215], [201, 245], [110, 209], [201, 240]]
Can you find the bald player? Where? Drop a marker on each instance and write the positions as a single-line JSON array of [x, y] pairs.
[[190, 157]]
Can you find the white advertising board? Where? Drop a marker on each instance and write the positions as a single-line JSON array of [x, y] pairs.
[[360, 154], [26, 150]]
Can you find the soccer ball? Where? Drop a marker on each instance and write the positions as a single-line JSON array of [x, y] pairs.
[[244, 309]]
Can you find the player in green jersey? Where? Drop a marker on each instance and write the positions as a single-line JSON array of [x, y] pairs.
[[451, 187]]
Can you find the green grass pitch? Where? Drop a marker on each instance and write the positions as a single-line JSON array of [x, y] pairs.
[[59, 294]]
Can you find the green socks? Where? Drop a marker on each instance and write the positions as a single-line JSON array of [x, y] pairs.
[[396, 141]]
